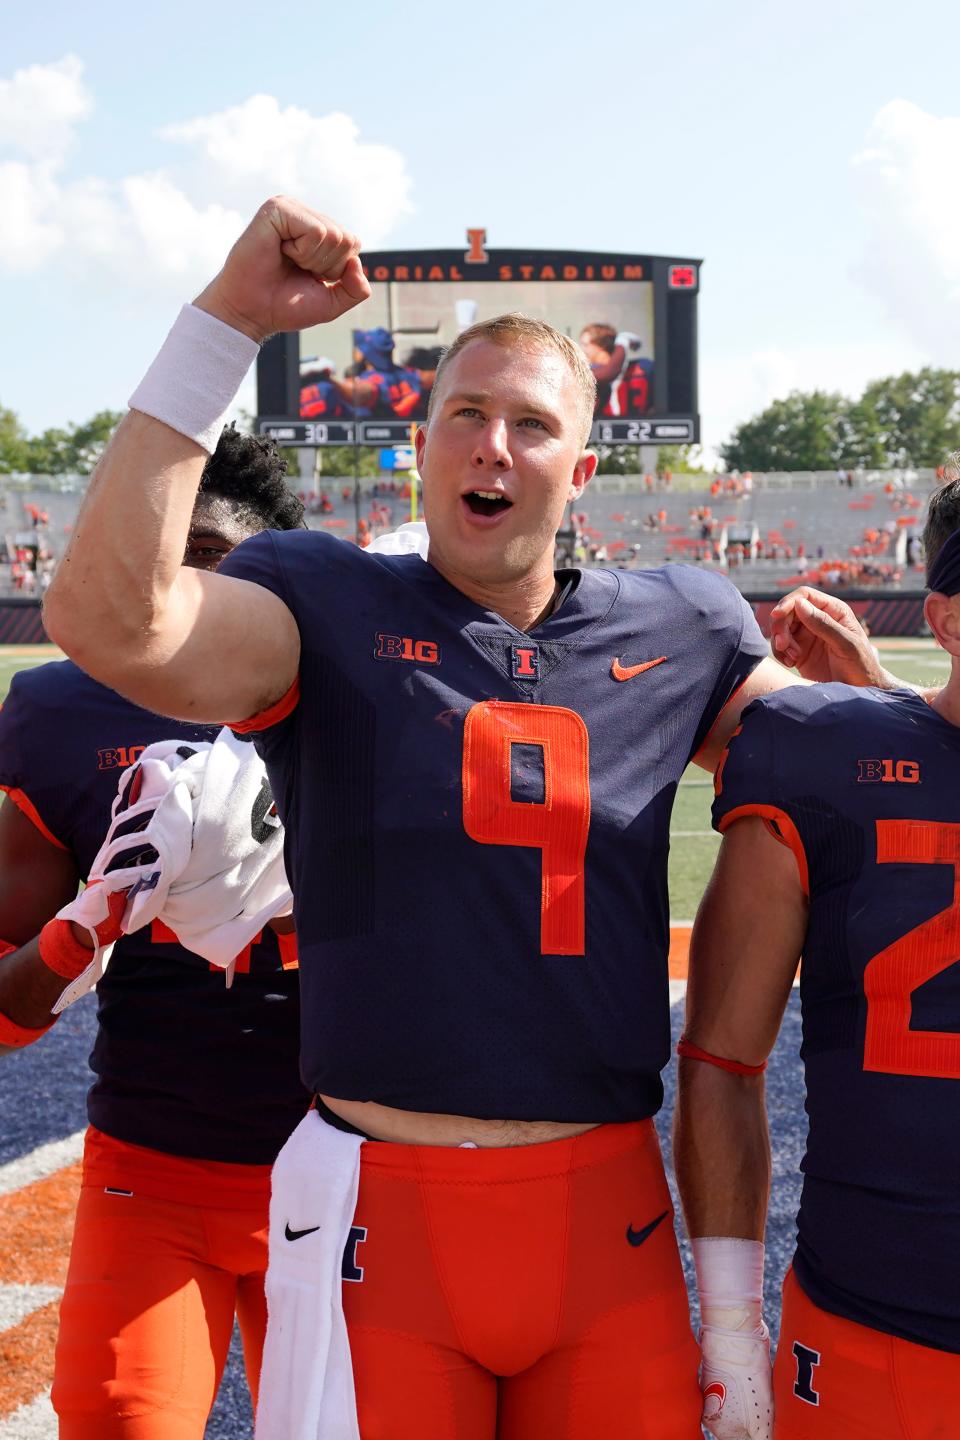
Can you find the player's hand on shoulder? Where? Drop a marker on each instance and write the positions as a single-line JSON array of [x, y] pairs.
[[291, 268], [821, 637], [736, 1382]]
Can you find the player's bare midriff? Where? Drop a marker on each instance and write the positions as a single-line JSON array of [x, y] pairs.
[[415, 1127]]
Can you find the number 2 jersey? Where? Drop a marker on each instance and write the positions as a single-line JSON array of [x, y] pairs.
[[478, 824], [183, 1064], [865, 786]]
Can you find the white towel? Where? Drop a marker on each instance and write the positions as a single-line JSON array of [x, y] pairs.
[[306, 1384], [411, 538]]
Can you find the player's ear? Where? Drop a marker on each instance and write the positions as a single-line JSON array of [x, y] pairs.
[[583, 473], [942, 613], [420, 443]]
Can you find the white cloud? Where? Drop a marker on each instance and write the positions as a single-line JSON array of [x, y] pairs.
[[168, 230], [29, 233], [906, 177], [40, 107], [258, 149]]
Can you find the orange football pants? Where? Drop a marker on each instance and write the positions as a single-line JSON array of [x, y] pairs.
[[155, 1279], [525, 1293], [835, 1380]]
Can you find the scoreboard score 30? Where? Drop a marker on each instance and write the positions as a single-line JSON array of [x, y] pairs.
[[366, 379]]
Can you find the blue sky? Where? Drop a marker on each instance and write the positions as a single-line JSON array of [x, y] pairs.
[[809, 154]]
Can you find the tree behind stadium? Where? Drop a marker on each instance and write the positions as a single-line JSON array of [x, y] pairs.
[[909, 419]]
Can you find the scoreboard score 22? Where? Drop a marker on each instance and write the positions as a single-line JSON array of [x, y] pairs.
[[635, 317]]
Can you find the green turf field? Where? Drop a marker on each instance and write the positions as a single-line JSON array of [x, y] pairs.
[[693, 843]]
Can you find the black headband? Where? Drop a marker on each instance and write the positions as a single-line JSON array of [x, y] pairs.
[[945, 572]]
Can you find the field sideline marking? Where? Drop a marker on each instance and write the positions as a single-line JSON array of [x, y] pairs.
[[19, 1301], [34, 1421], [45, 1160]]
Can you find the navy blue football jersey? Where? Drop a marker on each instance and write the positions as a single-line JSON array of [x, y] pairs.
[[174, 1048], [477, 825], [865, 786]]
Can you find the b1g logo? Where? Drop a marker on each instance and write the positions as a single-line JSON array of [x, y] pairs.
[[119, 757], [888, 772], [404, 647]]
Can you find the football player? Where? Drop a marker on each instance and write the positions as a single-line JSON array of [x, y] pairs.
[[381, 388], [170, 1236], [623, 377], [845, 802], [475, 760]]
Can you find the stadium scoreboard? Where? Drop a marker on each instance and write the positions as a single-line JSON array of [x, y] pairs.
[[365, 379]]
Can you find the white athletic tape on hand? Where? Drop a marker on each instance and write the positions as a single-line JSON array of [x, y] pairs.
[[195, 377], [735, 1374]]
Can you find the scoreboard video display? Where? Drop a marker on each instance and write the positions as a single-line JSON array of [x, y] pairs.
[[366, 379]]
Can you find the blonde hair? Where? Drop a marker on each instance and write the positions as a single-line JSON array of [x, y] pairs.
[[517, 329]]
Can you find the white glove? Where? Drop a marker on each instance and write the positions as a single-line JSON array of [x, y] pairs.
[[194, 842], [125, 863], [737, 1383], [220, 843], [735, 1375]]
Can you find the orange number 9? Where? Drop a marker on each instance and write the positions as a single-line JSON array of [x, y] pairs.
[[558, 826]]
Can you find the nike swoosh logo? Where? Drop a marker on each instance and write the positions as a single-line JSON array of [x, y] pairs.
[[627, 672], [637, 1237], [299, 1234]]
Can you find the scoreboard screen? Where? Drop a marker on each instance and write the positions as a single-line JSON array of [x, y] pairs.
[[366, 378]]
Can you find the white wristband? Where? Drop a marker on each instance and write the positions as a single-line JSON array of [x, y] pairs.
[[193, 381], [730, 1280]]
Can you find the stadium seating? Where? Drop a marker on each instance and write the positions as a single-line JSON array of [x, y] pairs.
[[810, 514]]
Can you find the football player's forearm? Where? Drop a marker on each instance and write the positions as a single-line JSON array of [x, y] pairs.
[[28, 988], [110, 602], [722, 1151], [888, 681]]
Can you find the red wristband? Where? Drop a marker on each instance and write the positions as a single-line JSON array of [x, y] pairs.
[[61, 951], [17, 1036], [688, 1051]]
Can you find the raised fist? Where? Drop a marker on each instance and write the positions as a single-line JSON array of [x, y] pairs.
[[291, 268]]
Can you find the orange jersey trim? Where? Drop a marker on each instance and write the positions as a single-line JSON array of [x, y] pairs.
[[781, 827], [27, 807], [718, 773], [272, 715], [694, 758], [289, 957]]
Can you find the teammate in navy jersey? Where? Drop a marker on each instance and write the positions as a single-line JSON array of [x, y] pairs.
[[475, 760], [170, 1237], [845, 802], [381, 388]]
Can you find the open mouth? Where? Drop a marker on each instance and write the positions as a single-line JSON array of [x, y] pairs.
[[487, 502]]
